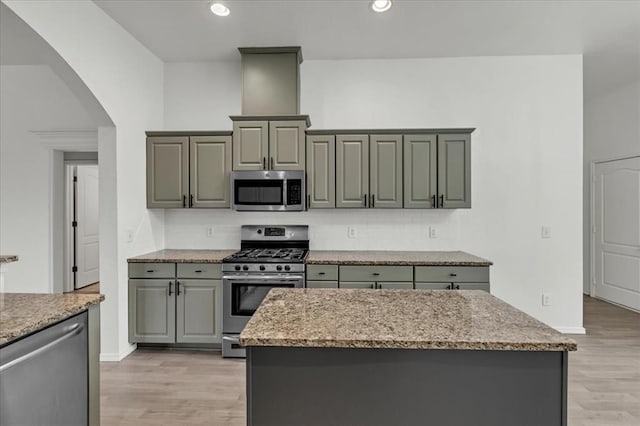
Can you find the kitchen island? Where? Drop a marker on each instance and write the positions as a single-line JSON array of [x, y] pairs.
[[382, 357]]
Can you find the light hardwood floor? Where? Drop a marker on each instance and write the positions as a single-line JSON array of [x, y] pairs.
[[189, 388]]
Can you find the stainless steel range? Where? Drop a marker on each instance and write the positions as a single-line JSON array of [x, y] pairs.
[[270, 256]]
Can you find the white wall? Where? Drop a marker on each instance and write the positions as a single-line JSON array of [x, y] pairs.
[[33, 98], [526, 162], [127, 80], [611, 130]]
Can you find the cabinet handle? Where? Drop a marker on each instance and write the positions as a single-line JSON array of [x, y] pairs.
[[456, 287], [453, 275], [373, 200], [375, 274], [170, 286], [198, 270], [177, 288], [271, 163], [191, 200], [442, 200], [308, 200], [365, 200], [149, 270], [433, 201], [264, 163], [320, 273], [184, 201]]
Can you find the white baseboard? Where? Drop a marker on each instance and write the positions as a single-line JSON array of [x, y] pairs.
[[571, 330], [117, 357]]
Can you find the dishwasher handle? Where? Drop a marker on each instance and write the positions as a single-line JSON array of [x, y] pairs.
[[70, 331]]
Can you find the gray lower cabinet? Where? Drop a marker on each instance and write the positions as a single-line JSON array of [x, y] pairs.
[[322, 284], [454, 171], [395, 285], [269, 145], [452, 278], [420, 171], [358, 284], [185, 306], [188, 171], [321, 172], [352, 171], [432, 286]]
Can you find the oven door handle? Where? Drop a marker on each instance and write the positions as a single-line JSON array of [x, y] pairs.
[[273, 278]]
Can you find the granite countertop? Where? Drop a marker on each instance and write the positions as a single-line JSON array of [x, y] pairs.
[[398, 319], [183, 256], [415, 258], [8, 258], [24, 313]]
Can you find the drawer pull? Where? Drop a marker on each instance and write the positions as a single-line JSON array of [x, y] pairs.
[[198, 270], [150, 270], [453, 275], [456, 286], [375, 274], [320, 273]]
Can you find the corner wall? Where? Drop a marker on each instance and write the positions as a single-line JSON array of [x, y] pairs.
[[526, 164]]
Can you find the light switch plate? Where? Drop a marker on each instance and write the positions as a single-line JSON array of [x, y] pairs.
[[210, 231], [545, 232], [352, 232], [546, 299], [433, 232]]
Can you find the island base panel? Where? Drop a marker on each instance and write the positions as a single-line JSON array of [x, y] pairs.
[[338, 386]]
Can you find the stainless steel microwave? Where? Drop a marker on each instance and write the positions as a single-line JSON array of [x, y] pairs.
[[268, 190]]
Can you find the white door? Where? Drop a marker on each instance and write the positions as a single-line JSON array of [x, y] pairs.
[[617, 232], [87, 230]]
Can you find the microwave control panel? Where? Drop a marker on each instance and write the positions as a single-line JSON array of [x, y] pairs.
[[294, 192]]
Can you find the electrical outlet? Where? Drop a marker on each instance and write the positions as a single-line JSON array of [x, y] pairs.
[[129, 235], [210, 231], [352, 232], [545, 232], [433, 232], [546, 299]]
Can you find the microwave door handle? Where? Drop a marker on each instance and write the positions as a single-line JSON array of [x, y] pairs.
[[285, 192]]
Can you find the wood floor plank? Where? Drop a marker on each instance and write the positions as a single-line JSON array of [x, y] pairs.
[[152, 387]]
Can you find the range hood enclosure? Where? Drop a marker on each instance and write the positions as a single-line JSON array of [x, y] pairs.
[[271, 80]]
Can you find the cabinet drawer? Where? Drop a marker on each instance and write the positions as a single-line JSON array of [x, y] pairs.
[[433, 286], [152, 270], [322, 284], [322, 272], [199, 270], [360, 284], [450, 274], [376, 273]]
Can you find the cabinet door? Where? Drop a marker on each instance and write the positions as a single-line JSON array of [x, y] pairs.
[[167, 172], [209, 172], [420, 171], [454, 171], [360, 285], [286, 145], [321, 171], [386, 171], [152, 311], [433, 286], [322, 284], [396, 286], [199, 308], [472, 286], [250, 145], [352, 171]]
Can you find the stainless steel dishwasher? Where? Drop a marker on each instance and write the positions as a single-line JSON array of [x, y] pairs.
[[44, 376]]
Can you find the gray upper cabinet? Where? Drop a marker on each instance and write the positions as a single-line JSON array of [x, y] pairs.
[[167, 171], [209, 171], [352, 171], [420, 171], [321, 173], [454, 171], [386, 171], [250, 145], [287, 145], [198, 304]]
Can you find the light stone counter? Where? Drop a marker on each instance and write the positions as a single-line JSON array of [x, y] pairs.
[[397, 319], [25, 313], [182, 256], [383, 257]]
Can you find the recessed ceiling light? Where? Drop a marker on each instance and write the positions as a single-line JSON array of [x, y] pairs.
[[380, 5], [219, 9]]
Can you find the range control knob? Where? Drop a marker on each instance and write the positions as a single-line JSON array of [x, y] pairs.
[[245, 268], [279, 267], [262, 268], [237, 267], [287, 268]]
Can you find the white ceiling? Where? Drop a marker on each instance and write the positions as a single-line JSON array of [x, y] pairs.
[[185, 30]]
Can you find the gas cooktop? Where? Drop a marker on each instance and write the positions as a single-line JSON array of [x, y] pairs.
[[267, 255]]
